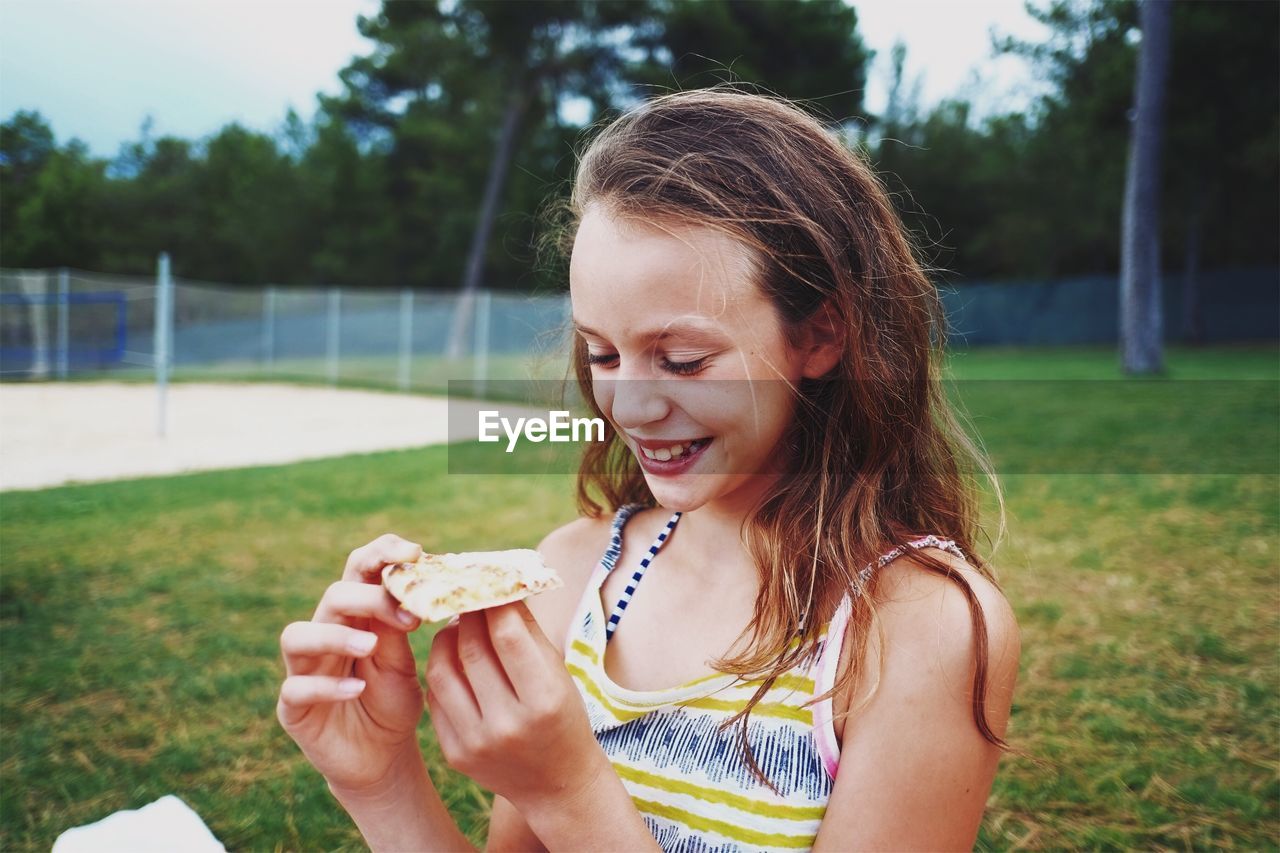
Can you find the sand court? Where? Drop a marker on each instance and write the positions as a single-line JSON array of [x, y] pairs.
[[57, 433]]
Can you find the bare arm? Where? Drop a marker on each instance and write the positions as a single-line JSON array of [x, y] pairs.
[[914, 769], [507, 714], [403, 812], [351, 700], [508, 829]]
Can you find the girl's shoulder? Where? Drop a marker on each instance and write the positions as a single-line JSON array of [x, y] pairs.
[[917, 602], [927, 637], [908, 575], [573, 550]]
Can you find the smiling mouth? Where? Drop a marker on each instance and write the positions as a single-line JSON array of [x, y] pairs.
[[674, 451]]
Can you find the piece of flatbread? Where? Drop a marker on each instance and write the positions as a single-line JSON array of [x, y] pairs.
[[438, 586]]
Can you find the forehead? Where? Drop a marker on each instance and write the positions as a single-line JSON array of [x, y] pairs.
[[621, 266]]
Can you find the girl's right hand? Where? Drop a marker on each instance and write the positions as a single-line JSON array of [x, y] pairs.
[[351, 697]]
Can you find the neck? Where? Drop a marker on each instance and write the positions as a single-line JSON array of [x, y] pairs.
[[714, 537]]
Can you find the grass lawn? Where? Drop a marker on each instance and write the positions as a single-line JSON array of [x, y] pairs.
[[139, 621]]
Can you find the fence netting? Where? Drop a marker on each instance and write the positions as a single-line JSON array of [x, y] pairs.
[[72, 324], [69, 323]]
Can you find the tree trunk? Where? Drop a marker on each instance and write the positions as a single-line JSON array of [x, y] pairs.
[[502, 154], [1141, 320]]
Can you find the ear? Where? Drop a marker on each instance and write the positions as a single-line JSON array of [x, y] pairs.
[[822, 342]]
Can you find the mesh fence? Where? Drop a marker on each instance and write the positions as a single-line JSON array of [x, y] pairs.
[[55, 323], [70, 324]]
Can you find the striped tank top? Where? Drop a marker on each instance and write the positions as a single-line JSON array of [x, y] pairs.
[[686, 777]]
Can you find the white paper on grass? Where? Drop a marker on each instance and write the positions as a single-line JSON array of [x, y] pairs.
[[166, 825]]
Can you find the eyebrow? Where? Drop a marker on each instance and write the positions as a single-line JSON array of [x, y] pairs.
[[679, 328]]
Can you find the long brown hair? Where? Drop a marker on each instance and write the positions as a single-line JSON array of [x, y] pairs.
[[825, 237]]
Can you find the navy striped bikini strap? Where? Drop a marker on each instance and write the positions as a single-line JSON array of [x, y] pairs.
[[620, 518], [615, 549]]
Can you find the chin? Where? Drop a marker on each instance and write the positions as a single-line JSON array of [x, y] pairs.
[[695, 492], [691, 493], [677, 500]]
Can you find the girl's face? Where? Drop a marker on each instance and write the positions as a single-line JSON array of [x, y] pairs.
[[688, 357]]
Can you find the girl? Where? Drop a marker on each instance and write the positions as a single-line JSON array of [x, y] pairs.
[[774, 576]]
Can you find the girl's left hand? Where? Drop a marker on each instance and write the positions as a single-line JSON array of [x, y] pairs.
[[506, 712]]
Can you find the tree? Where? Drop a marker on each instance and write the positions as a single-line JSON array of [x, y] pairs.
[[152, 206], [1222, 133], [26, 145], [450, 80], [1075, 156], [1222, 138], [806, 51], [903, 107], [456, 94], [61, 220], [342, 210], [1141, 323]]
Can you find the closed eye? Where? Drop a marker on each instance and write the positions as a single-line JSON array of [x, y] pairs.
[[683, 368], [679, 368]]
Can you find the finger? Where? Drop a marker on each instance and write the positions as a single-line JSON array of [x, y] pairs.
[[345, 601], [446, 734], [302, 641], [368, 560], [299, 693], [521, 647], [446, 681], [489, 683]]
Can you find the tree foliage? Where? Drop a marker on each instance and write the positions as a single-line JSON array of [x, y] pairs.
[[385, 185], [1039, 193]]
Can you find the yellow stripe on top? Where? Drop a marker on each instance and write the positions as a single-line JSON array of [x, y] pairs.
[[594, 689], [790, 682], [683, 768], [794, 683], [716, 795], [762, 709], [699, 823], [586, 651]]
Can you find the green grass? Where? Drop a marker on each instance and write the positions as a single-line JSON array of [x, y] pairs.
[[1243, 361], [139, 626]]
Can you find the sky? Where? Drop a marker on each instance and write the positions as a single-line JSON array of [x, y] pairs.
[[96, 69]]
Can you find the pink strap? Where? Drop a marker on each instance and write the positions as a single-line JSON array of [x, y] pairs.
[[824, 731]]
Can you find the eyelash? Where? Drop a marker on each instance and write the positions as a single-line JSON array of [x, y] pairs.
[[680, 368]]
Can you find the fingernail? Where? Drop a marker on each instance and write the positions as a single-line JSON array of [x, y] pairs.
[[405, 617], [454, 621], [351, 686], [362, 644]]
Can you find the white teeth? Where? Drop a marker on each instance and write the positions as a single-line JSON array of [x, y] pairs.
[[666, 454]]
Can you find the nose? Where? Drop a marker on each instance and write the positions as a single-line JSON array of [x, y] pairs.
[[633, 403]]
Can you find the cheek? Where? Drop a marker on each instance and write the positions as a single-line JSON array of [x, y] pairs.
[[602, 392], [764, 417]]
